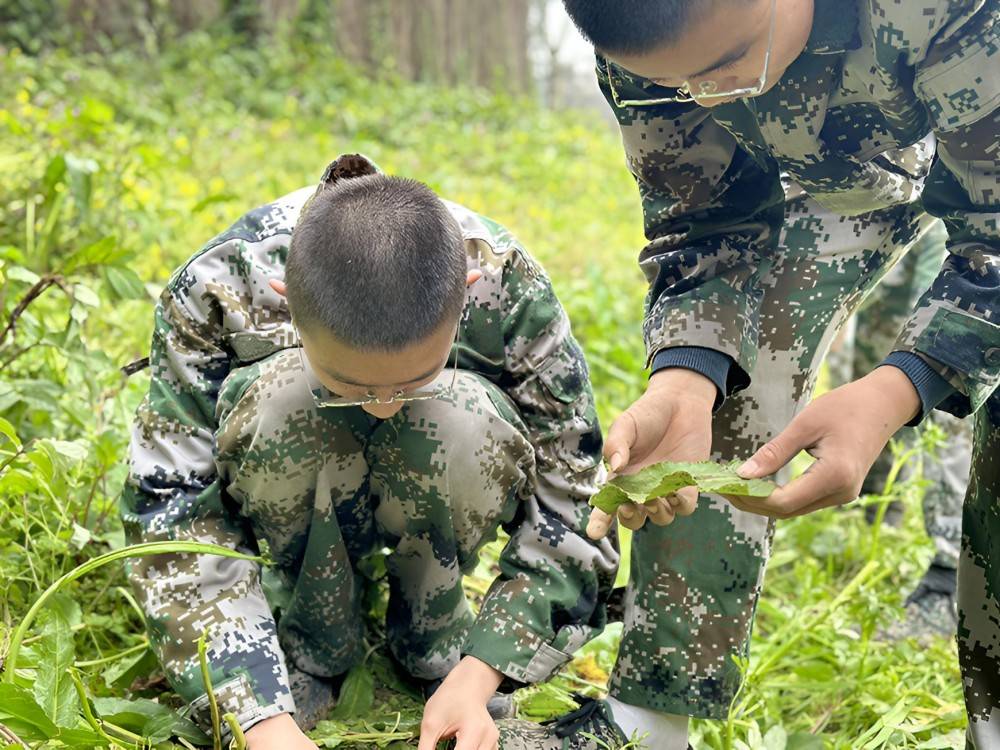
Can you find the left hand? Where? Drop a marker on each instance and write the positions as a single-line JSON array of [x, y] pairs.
[[458, 708], [844, 430]]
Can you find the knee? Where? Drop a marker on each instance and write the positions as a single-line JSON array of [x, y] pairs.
[[475, 430], [468, 451], [269, 402]]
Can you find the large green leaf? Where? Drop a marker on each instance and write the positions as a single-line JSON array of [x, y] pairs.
[[53, 688], [150, 719], [105, 252], [20, 712], [664, 478], [356, 694], [123, 672], [8, 431]]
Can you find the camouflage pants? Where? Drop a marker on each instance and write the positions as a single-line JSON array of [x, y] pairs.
[[979, 584], [328, 487], [694, 584], [878, 322]]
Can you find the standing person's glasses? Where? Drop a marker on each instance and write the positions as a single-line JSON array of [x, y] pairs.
[[441, 386], [707, 89]]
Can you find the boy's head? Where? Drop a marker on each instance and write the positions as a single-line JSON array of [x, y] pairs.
[[719, 43], [375, 280]]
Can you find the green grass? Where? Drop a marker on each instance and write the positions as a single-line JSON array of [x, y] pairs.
[[161, 157]]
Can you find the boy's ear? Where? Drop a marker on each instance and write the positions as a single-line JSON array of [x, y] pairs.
[[279, 286], [472, 277]]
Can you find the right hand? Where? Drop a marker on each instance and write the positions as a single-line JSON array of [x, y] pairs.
[[278, 733], [671, 421]]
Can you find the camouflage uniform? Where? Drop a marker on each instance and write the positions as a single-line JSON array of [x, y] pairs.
[[230, 447], [888, 114], [863, 344]]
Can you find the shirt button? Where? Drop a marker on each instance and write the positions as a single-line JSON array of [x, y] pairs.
[[992, 356]]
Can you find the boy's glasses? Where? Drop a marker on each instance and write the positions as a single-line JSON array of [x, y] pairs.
[[707, 89], [441, 386]]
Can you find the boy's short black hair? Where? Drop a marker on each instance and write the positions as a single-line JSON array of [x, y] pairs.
[[634, 27], [378, 261]]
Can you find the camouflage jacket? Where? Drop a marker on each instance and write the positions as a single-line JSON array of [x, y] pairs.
[[218, 313], [890, 102]]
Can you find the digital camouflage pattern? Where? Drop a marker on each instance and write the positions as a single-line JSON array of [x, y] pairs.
[[230, 447], [930, 607], [890, 110], [979, 584], [694, 584], [862, 345]]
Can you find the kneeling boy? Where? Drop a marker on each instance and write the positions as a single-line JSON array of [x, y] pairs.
[[360, 367]]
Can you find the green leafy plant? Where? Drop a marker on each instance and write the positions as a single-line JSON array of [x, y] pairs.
[[659, 480]]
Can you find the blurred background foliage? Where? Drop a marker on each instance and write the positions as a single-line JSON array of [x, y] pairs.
[[132, 132]]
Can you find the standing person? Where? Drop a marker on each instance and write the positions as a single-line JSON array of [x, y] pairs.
[[419, 390], [930, 608], [883, 115]]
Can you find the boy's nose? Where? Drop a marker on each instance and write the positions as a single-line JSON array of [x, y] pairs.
[[382, 411]]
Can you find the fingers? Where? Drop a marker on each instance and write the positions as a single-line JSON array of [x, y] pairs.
[[660, 511], [481, 737], [632, 516], [430, 733], [599, 524], [619, 441], [825, 484], [780, 449], [684, 501]]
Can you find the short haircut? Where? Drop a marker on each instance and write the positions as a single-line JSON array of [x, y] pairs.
[[378, 261], [634, 27]]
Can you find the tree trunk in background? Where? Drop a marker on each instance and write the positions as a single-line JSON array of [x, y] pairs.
[[470, 42]]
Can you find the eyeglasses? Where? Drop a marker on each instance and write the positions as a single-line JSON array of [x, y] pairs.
[[707, 90], [439, 387]]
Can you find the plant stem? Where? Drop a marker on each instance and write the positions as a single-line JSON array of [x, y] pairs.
[[206, 677], [114, 657], [239, 739], [88, 715], [136, 550]]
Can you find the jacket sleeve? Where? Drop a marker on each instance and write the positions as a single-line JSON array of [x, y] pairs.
[[955, 54], [550, 596], [712, 212], [172, 493]]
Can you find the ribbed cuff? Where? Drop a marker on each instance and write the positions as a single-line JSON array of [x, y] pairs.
[[713, 364], [931, 387]]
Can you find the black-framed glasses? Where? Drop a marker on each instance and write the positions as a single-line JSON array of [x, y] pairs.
[[439, 387], [707, 89]]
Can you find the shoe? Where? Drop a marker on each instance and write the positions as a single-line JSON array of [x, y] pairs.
[[589, 727], [500, 706], [314, 696], [931, 610]]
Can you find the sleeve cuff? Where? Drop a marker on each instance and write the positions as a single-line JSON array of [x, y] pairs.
[[713, 364], [237, 696], [515, 650], [931, 387]]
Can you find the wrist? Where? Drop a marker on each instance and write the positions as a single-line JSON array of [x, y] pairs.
[[273, 726], [680, 381], [897, 394], [477, 677]]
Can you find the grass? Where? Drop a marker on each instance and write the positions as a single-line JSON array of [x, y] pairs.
[[160, 156]]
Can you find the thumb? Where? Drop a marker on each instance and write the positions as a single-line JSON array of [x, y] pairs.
[[619, 441], [779, 450]]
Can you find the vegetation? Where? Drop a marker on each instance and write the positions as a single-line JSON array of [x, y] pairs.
[[115, 169]]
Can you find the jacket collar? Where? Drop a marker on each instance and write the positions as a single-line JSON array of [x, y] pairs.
[[835, 26]]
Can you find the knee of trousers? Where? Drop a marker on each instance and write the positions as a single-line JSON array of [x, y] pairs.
[[470, 445], [273, 442]]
